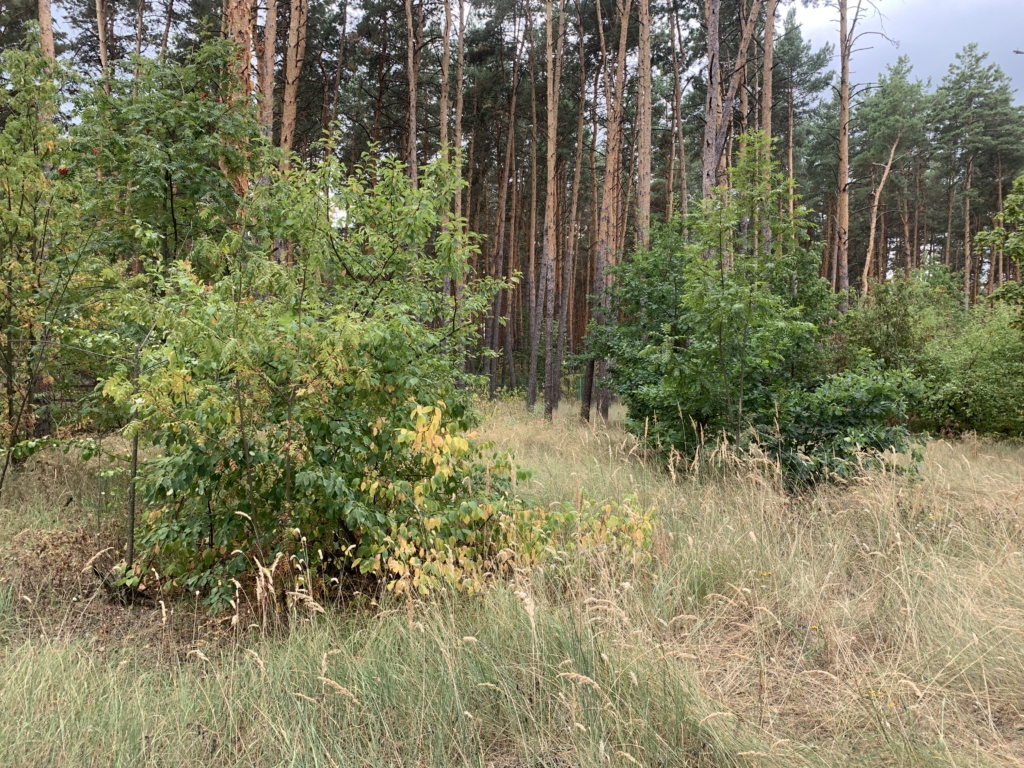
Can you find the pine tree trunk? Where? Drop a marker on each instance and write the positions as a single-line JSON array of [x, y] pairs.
[[413, 79], [266, 74], [712, 105], [643, 183], [948, 247], [101, 31], [506, 177], [459, 78], [789, 156], [875, 199], [238, 28], [572, 244], [766, 103], [999, 206], [907, 245], [769, 63], [294, 57], [612, 204], [445, 67], [967, 232], [720, 102], [46, 31], [167, 30], [553, 51], [532, 286], [825, 270], [843, 212]]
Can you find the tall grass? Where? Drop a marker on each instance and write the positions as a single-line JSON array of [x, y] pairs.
[[876, 624]]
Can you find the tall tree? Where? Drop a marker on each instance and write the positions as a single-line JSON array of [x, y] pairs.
[[553, 53], [847, 36], [412, 73], [611, 197], [267, 70], [294, 57], [238, 29], [721, 98], [46, 30], [976, 121], [643, 182]]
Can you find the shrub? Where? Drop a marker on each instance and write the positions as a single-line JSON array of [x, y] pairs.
[[975, 375], [719, 336], [314, 409]]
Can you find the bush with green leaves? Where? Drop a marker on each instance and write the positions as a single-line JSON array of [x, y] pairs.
[[974, 375], [899, 318], [720, 335], [969, 363], [313, 405]]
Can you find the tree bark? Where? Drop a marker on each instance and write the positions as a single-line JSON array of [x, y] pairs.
[[553, 50], [875, 198], [267, 67], [459, 77], [412, 74], [167, 30], [101, 31], [967, 231], [294, 57], [766, 103], [643, 184], [948, 246], [846, 39], [720, 104], [266, 74], [507, 177], [769, 63], [611, 198], [712, 105], [445, 67], [238, 29], [532, 287], [572, 244], [46, 31]]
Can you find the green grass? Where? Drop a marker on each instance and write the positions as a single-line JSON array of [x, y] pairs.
[[880, 624]]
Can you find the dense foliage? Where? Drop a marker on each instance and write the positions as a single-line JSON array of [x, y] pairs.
[[283, 339], [723, 333]]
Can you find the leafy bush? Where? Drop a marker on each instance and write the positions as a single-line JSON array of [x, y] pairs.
[[844, 425], [970, 363], [900, 317], [314, 409], [719, 336], [975, 375]]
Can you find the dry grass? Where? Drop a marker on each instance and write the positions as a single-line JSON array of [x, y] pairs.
[[885, 618], [876, 624]]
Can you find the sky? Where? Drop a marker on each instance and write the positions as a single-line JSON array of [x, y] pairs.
[[930, 32]]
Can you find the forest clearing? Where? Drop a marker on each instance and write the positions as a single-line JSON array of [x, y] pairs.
[[875, 624], [509, 384]]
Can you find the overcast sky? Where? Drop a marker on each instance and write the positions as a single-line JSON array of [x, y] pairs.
[[930, 32]]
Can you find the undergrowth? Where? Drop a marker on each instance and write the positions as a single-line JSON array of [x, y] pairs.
[[876, 623]]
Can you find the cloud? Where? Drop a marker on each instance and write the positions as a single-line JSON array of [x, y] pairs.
[[929, 32]]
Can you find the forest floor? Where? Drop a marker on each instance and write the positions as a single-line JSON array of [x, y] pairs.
[[877, 624]]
